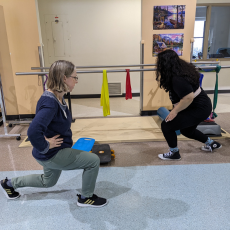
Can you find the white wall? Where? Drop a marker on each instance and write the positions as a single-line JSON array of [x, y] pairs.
[[108, 32], [101, 32], [224, 78]]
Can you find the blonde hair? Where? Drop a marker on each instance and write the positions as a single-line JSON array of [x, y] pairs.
[[57, 71]]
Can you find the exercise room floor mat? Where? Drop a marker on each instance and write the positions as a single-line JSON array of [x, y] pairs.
[[122, 129]]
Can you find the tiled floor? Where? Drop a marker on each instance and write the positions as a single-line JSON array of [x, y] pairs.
[[143, 191], [150, 197]]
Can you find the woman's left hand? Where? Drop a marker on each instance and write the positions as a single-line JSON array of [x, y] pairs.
[[171, 115]]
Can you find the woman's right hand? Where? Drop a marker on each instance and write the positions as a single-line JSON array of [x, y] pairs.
[[54, 141]]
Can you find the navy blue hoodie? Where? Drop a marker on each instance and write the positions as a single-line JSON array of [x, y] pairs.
[[52, 118]]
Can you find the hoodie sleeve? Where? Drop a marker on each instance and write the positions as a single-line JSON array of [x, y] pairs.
[[38, 127]]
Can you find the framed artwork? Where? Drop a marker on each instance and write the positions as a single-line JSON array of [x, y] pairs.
[[162, 42], [168, 17]]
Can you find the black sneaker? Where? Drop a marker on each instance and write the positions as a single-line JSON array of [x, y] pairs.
[[170, 156], [9, 191], [210, 148], [94, 201]]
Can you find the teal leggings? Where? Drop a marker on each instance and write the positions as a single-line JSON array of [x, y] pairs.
[[65, 159]]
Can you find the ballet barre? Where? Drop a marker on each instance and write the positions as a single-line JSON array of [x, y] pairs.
[[114, 70], [118, 70], [119, 66]]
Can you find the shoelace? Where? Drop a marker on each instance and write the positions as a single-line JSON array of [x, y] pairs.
[[169, 154], [208, 147]]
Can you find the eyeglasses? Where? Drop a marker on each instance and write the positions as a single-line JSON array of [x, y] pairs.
[[76, 78]]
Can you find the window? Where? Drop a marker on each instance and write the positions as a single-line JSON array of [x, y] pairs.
[[198, 39], [219, 34], [212, 32], [199, 29]]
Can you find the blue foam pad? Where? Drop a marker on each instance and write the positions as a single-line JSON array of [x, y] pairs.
[[162, 112], [84, 144]]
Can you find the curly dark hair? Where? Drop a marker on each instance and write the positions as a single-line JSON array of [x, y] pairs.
[[169, 65]]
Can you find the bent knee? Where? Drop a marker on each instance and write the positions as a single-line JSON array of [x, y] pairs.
[[163, 124], [91, 158], [49, 184], [185, 133], [49, 181], [95, 159]]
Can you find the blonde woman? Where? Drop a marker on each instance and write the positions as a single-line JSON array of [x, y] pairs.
[[51, 138]]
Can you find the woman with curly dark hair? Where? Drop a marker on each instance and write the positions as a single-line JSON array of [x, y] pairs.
[[191, 105]]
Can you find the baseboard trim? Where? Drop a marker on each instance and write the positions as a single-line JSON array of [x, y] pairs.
[[74, 96], [148, 113], [219, 91], [20, 116]]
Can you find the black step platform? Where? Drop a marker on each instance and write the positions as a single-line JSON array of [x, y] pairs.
[[103, 151], [210, 129]]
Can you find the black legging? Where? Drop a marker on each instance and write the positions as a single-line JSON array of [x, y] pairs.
[[186, 121]]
